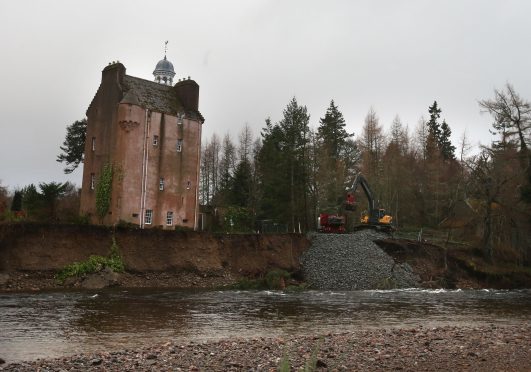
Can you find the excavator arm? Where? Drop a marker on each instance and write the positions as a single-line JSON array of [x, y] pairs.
[[376, 215]]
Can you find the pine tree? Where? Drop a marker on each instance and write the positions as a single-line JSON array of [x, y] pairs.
[[226, 171], [331, 131], [16, 204], [73, 146], [433, 125], [447, 149], [284, 168], [331, 175], [272, 170], [242, 185]]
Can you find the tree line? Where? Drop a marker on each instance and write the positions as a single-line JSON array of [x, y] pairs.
[[291, 172], [46, 202]]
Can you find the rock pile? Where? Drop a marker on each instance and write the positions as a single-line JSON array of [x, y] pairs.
[[353, 261]]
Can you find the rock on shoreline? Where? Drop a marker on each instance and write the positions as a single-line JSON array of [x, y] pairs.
[[45, 280], [486, 348]]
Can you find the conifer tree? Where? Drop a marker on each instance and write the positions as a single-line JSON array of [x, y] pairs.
[[331, 131], [241, 187], [447, 149], [73, 146], [16, 204], [433, 125], [283, 163], [331, 176]]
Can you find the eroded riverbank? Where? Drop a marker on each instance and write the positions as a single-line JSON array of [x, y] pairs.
[[31, 254]]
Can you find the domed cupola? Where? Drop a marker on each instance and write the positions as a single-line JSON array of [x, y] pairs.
[[164, 72]]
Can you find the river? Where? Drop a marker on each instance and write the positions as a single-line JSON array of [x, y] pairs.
[[54, 324]]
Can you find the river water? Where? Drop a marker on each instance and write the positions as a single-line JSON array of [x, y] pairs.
[[54, 324]]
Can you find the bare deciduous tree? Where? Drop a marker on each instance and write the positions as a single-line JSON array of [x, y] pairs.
[[512, 116]]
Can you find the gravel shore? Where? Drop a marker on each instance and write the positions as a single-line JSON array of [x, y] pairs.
[[487, 348]]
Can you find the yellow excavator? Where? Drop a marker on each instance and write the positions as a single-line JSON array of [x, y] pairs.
[[374, 217]]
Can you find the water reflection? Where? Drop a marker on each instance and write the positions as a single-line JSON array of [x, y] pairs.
[[55, 324]]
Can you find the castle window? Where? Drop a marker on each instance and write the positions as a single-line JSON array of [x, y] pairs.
[[179, 145], [169, 218], [188, 185], [92, 181], [93, 143], [180, 117], [161, 184], [155, 140], [148, 216]]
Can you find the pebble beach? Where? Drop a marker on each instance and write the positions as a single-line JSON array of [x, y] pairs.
[[485, 348]]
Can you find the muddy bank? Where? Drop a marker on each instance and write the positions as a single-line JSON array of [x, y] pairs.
[[456, 266], [488, 348], [30, 255]]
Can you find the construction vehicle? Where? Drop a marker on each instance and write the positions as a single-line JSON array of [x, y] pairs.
[[374, 217], [331, 223]]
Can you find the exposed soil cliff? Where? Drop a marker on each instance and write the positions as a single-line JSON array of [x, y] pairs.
[[152, 257], [31, 255], [457, 266]]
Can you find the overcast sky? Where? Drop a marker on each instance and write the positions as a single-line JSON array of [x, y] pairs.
[[250, 58]]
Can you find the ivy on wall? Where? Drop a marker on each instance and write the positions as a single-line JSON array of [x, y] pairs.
[[104, 190]]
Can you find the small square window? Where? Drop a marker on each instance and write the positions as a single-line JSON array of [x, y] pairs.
[[93, 143], [148, 216], [161, 184], [92, 181], [169, 218], [179, 145], [155, 140]]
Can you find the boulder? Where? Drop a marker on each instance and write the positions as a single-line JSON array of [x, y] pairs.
[[103, 279]]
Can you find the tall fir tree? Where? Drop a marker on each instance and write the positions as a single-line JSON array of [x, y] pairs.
[[434, 127], [331, 176], [271, 164], [73, 148], [331, 131], [445, 143], [242, 186], [16, 204], [283, 162]]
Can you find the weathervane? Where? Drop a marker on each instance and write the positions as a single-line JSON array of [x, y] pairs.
[[165, 47]]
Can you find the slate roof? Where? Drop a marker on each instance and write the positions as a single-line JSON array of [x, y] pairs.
[[155, 97], [152, 95]]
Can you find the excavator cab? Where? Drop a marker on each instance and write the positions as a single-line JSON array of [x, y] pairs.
[[374, 217], [350, 203]]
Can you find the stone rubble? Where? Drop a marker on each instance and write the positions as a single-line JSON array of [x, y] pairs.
[[353, 261]]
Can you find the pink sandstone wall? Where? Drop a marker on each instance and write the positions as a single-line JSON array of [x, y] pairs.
[[124, 137]]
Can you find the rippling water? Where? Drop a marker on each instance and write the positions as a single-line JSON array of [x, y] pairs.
[[62, 323]]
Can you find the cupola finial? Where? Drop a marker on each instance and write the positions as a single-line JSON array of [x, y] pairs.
[[164, 72]]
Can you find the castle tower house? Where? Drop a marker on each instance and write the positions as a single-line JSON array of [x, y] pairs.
[[147, 135]]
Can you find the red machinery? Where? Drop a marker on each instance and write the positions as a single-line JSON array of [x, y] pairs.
[[331, 223]]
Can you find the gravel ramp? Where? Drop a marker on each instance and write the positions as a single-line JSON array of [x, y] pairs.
[[353, 261]]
